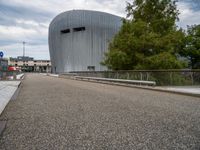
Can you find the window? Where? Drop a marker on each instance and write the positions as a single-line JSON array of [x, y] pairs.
[[79, 29], [65, 31], [91, 68]]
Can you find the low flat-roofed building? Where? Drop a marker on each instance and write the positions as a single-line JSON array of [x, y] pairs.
[[29, 64]]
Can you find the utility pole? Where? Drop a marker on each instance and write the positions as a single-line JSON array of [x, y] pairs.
[[23, 59], [24, 48]]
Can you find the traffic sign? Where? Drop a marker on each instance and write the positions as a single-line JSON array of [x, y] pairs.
[[1, 54]]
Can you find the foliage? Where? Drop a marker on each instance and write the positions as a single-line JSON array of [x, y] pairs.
[[146, 36], [160, 61], [192, 49]]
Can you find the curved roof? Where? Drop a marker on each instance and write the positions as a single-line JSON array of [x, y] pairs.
[[78, 39], [85, 17]]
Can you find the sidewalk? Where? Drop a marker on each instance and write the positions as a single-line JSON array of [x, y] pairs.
[[184, 89], [7, 90]]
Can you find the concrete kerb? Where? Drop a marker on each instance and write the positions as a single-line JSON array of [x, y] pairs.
[[6, 99], [50, 75], [8, 89], [15, 95], [20, 76]]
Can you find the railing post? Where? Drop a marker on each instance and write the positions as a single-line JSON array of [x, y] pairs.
[[192, 78], [140, 75], [147, 76], [14, 75], [117, 75], [170, 78], [4, 75], [128, 75]]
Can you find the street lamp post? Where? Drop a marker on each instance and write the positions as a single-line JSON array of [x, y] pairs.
[[24, 48], [23, 55]]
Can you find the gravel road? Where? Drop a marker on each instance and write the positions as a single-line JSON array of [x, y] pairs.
[[53, 113]]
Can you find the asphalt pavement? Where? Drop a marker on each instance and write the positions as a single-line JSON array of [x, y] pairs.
[[54, 113]]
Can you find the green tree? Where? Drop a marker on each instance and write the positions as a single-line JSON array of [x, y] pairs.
[[192, 49], [149, 31]]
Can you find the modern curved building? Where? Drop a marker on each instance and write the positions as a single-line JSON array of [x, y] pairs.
[[78, 40]]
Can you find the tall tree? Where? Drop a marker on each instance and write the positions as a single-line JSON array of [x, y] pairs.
[[192, 49], [148, 33]]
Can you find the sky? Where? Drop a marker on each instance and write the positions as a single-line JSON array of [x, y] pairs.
[[28, 20]]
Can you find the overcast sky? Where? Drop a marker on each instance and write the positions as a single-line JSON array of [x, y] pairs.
[[28, 20]]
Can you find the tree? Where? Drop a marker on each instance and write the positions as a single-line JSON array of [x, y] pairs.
[[149, 31], [192, 49]]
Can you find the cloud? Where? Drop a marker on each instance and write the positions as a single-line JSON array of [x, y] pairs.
[[189, 13], [22, 20], [16, 49]]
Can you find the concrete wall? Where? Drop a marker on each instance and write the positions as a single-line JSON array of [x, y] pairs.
[[76, 51]]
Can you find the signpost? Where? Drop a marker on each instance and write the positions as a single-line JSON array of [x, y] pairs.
[[3, 63], [1, 54]]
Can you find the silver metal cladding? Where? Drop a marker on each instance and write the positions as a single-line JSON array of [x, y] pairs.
[[78, 40]]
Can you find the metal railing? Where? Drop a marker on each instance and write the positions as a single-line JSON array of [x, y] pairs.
[[9, 75], [161, 77], [134, 82]]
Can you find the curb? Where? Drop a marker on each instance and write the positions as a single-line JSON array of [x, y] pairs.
[[13, 97]]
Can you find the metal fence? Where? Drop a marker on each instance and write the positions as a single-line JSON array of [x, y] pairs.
[[8, 75], [161, 77]]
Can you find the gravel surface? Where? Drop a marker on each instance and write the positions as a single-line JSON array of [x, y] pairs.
[[53, 113]]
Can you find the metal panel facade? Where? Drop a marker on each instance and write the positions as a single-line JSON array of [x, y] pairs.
[[78, 39]]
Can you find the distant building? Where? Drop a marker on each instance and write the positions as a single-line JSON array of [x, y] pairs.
[[28, 64]]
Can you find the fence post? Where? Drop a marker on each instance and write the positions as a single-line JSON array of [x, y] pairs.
[[4, 75], [140, 75], [147, 76], [128, 75], [14, 75], [192, 78], [117, 75], [170, 78]]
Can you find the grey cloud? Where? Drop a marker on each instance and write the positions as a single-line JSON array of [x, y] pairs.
[[37, 18], [11, 13], [194, 4]]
